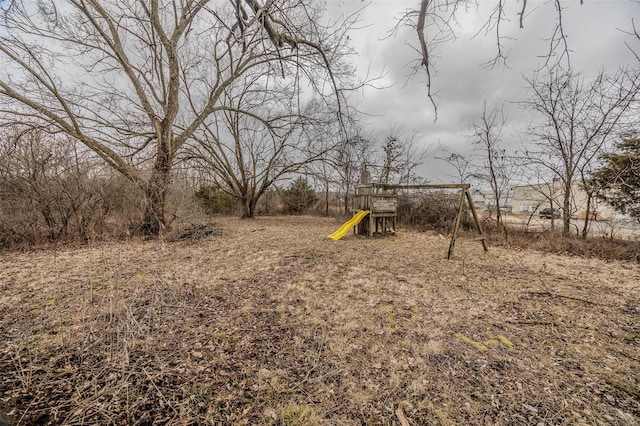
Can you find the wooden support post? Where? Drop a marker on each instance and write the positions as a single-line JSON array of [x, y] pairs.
[[383, 210], [456, 225], [371, 220], [464, 194], [475, 219]]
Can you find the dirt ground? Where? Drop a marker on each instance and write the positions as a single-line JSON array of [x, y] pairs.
[[272, 323]]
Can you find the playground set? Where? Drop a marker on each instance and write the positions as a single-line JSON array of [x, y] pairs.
[[375, 207]]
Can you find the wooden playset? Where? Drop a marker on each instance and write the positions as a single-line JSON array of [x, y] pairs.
[[375, 209]]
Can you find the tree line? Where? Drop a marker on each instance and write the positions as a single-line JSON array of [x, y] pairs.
[[579, 128], [246, 95]]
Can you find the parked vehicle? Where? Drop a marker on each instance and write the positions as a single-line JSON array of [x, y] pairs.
[[549, 213]]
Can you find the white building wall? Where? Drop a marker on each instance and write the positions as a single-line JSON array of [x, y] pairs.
[[528, 199]]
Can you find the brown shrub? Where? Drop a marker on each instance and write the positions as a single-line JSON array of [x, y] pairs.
[[431, 210], [555, 242], [52, 191]]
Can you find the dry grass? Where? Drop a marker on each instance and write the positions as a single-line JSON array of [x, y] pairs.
[[554, 242], [272, 323]]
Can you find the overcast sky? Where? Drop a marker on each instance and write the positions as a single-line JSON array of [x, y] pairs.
[[595, 34]]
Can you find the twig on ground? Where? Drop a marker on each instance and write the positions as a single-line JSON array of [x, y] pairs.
[[401, 417], [159, 391], [315, 365]]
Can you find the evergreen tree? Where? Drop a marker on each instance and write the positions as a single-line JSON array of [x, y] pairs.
[[299, 197], [619, 177]]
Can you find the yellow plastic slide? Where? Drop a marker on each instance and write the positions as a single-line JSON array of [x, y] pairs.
[[348, 225]]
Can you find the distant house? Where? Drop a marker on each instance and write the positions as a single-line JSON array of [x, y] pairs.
[[530, 199]]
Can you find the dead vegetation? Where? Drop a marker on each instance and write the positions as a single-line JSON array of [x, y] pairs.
[[270, 322], [554, 242]]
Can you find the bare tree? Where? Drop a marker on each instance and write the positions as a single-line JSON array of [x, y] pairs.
[[636, 33], [323, 174], [592, 188], [464, 166], [401, 156], [574, 120], [134, 80], [262, 137], [390, 158], [497, 168], [348, 159]]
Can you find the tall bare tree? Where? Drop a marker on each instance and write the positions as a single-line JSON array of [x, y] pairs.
[[134, 80], [574, 119], [263, 136], [350, 159], [497, 168]]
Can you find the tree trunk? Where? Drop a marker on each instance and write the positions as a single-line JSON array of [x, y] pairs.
[[153, 222], [346, 201], [249, 208], [566, 214], [326, 198], [585, 228], [499, 220]]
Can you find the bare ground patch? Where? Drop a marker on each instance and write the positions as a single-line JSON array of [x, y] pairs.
[[270, 322]]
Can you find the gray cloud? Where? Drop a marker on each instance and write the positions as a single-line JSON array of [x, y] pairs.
[[595, 35]]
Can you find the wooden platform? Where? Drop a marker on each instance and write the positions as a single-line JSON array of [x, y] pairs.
[[383, 205]]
